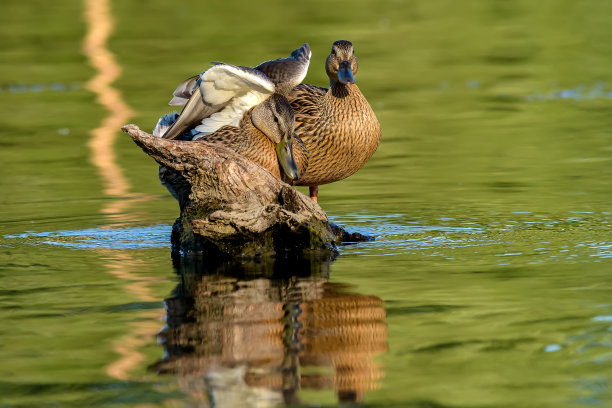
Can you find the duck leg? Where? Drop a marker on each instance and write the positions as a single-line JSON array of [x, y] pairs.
[[314, 192]]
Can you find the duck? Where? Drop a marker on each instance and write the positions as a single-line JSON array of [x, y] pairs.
[[245, 109], [337, 125]]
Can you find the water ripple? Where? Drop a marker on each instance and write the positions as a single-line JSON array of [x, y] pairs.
[[532, 240], [156, 236], [516, 238]]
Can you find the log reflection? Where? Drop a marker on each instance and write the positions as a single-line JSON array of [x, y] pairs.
[[245, 335]]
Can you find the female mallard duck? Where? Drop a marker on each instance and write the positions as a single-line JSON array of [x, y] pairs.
[[244, 109], [337, 125]]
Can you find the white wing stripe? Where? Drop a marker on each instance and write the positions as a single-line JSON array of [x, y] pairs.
[[237, 89]]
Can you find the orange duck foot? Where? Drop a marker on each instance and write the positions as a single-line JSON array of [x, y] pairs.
[[314, 192]]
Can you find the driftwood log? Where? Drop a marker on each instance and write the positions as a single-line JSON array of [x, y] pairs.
[[231, 207]]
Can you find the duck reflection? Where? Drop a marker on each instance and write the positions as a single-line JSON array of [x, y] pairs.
[[254, 334]]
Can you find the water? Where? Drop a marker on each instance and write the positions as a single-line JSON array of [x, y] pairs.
[[487, 286]]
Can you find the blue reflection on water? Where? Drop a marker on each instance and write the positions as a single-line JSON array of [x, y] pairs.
[[531, 239], [156, 236], [493, 238], [581, 92], [598, 90], [39, 87]]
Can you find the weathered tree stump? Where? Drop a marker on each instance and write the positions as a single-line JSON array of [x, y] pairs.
[[232, 207]]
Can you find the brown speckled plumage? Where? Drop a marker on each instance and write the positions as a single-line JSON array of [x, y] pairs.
[[336, 131], [265, 133], [337, 125], [250, 142]]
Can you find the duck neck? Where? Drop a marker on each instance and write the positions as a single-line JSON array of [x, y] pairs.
[[248, 128], [339, 90], [246, 121]]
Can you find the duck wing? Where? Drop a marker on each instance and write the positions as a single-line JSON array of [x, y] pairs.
[[290, 71], [183, 92], [219, 96], [287, 73], [192, 114], [235, 90]]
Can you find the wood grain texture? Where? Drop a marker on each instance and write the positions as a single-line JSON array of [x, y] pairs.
[[231, 206]]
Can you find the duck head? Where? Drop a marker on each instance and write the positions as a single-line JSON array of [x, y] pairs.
[[341, 65], [274, 117]]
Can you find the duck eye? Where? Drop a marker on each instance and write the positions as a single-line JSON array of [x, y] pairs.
[[276, 119]]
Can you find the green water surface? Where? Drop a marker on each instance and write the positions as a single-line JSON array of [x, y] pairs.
[[490, 197]]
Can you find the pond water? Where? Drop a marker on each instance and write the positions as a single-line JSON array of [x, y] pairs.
[[490, 197]]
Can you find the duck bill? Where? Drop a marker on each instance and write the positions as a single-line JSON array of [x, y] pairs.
[[284, 152], [345, 74]]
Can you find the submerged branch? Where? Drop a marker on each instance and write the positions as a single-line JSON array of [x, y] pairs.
[[231, 206]]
